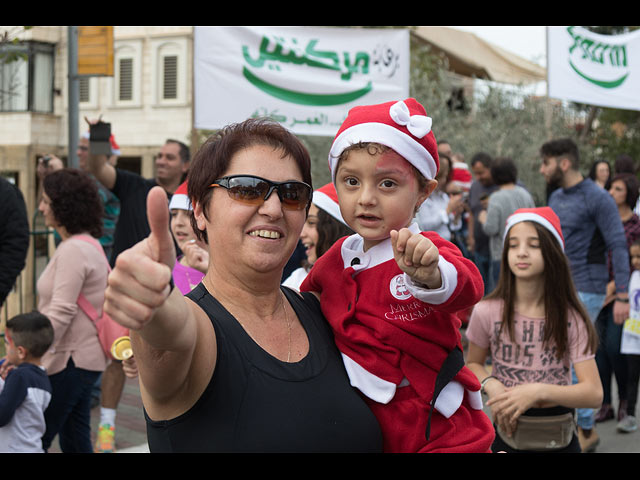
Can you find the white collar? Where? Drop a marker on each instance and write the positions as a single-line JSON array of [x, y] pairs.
[[353, 251]]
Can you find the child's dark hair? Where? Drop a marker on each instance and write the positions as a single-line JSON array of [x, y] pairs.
[[33, 331], [560, 296]]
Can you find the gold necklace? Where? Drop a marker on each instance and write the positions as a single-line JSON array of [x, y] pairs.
[[288, 322], [286, 318]]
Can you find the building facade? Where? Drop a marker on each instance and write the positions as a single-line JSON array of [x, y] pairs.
[[147, 100]]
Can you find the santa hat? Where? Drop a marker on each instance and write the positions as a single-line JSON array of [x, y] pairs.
[[180, 199], [542, 215], [461, 176], [115, 148], [326, 198], [400, 125]]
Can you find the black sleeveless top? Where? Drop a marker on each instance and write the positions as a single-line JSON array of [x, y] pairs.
[[257, 403]]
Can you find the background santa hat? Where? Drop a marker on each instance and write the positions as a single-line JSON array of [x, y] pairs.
[[541, 215], [180, 199], [461, 176], [326, 198], [400, 125]]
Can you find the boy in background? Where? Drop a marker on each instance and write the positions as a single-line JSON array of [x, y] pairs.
[[25, 390]]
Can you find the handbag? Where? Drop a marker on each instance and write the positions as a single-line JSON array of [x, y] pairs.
[[541, 433], [109, 331]]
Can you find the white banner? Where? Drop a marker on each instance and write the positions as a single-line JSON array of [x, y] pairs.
[[586, 67], [306, 78]]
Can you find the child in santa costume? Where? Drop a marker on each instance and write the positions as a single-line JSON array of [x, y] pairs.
[[390, 292], [185, 276]]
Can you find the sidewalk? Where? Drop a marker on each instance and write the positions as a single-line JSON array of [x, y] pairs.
[[131, 436], [131, 433]]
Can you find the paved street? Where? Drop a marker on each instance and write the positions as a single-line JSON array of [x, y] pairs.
[[131, 433]]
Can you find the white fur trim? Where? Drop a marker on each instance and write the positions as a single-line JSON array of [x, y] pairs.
[[326, 203], [440, 295], [389, 136], [181, 202], [532, 217], [372, 386]]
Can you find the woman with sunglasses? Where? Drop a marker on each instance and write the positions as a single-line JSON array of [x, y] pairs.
[[239, 364]]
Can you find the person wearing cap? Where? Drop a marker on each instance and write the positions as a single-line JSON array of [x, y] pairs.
[[324, 226], [390, 292], [458, 190], [591, 227], [535, 328], [185, 275]]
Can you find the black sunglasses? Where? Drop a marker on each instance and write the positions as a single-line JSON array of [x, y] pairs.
[[252, 190]]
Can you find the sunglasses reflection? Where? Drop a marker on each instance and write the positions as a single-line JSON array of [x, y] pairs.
[[253, 190]]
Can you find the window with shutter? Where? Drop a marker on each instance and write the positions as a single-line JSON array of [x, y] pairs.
[[125, 91], [83, 87], [170, 77]]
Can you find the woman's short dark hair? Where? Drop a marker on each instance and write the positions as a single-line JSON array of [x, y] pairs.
[[212, 160], [632, 184], [503, 171], [75, 201]]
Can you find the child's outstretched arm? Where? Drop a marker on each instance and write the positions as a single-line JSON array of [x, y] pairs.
[[417, 256]]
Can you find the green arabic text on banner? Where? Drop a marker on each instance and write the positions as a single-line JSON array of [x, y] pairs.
[[306, 78], [601, 70]]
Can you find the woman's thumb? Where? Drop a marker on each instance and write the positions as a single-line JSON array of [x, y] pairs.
[[158, 218]]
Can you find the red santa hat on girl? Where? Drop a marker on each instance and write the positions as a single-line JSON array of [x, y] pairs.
[[180, 199], [326, 198], [541, 215], [461, 176], [400, 125]]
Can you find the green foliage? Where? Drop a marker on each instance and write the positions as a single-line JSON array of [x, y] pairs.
[[501, 121], [504, 121]]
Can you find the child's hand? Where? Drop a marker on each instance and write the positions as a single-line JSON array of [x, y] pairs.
[[196, 256], [130, 367], [5, 367], [417, 256]]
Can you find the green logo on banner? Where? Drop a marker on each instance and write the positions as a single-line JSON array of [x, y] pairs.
[[281, 53], [595, 61]]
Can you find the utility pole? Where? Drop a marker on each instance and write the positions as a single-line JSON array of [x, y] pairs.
[[74, 95]]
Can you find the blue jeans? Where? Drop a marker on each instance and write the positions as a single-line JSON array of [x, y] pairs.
[[593, 304], [69, 413], [608, 358]]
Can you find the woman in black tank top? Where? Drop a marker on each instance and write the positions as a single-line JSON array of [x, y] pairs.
[[239, 365]]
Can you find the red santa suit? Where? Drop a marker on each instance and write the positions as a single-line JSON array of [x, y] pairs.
[[395, 337]]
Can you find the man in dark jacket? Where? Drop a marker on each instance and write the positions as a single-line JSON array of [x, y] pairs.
[[14, 236]]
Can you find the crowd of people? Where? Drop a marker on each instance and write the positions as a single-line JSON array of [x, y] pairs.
[[429, 288]]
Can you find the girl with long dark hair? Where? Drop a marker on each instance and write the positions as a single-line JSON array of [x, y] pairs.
[[535, 329]]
